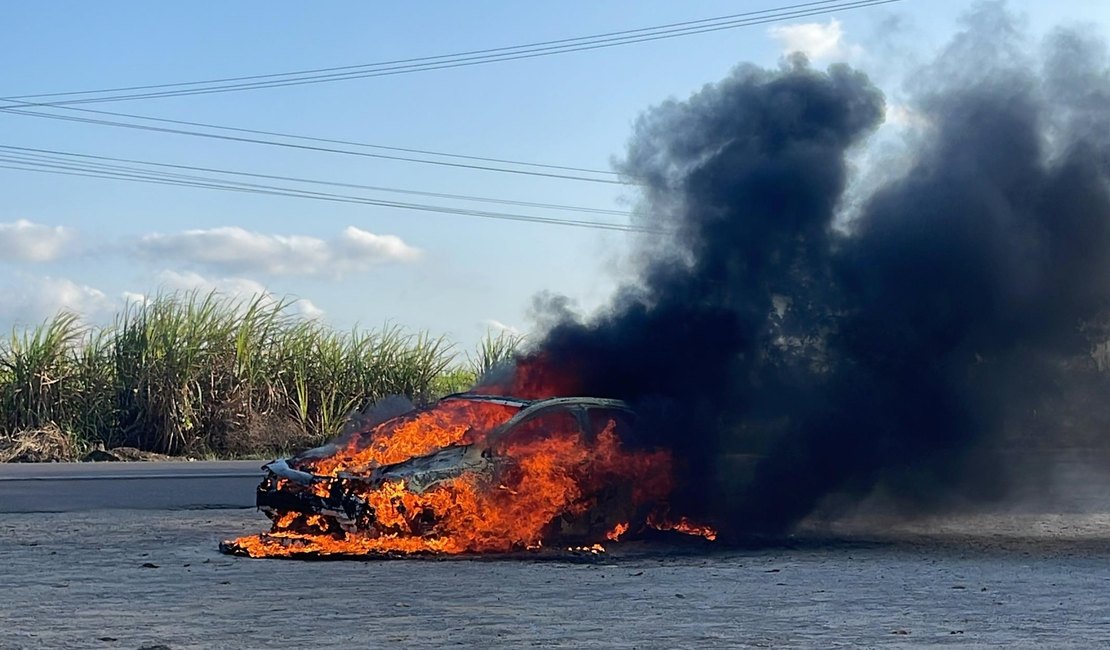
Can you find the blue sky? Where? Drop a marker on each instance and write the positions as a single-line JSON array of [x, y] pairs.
[[88, 244]]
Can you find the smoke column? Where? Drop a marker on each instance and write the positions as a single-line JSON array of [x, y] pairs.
[[898, 349]]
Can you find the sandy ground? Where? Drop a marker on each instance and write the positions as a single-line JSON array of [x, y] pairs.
[[134, 579]]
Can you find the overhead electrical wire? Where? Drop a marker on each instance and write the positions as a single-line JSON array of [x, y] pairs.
[[66, 155], [16, 106], [291, 145], [460, 59], [26, 159], [412, 60], [58, 165], [427, 152], [22, 165]]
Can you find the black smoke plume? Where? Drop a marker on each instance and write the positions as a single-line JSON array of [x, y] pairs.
[[834, 344]]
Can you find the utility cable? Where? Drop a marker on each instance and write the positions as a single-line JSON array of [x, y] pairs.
[[291, 145], [18, 107], [464, 59], [26, 162], [67, 156], [418, 59]]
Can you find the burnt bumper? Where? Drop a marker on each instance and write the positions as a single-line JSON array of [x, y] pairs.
[[329, 497]]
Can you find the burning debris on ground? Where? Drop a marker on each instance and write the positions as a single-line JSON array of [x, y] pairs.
[[789, 339]]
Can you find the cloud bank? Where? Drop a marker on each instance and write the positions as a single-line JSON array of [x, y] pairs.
[[236, 288], [31, 299], [236, 250], [26, 241]]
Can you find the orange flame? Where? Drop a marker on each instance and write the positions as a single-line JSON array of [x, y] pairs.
[[618, 530], [422, 432], [553, 481], [683, 525]]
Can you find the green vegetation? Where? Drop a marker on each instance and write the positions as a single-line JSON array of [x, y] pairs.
[[206, 375], [494, 351]]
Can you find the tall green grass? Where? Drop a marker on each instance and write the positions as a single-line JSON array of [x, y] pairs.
[[494, 352], [37, 374], [205, 374]]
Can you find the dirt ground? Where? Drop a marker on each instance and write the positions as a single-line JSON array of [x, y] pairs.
[[153, 579]]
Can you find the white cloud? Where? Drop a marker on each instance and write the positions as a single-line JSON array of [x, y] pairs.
[[25, 241], [815, 40], [500, 327], [242, 289], [236, 250], [902, 116], [130, 297], [33, 299]]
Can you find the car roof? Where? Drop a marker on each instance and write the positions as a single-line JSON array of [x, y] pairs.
[[494, 399], [536, 404]]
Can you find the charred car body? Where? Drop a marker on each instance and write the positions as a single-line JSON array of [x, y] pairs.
[[287, 488], [506, 450]]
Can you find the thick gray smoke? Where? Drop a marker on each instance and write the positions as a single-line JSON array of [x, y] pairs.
[[904, 349]]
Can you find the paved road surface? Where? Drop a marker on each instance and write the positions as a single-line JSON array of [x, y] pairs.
[[131, 562], [130, 579], [74, 487]]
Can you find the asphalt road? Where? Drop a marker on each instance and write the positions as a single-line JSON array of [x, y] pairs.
[[131, 579], [124, 555], [76, 487]]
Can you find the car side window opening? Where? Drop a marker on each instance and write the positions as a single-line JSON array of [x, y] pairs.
[[601, 419], [543, 425]]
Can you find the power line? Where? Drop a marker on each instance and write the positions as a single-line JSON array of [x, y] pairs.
[[45, 164], [465, 59], [415, 60], [365, 145], [67, 156], [20, 106], [290, 145], [69, 170], [475, 57], [608, 176]]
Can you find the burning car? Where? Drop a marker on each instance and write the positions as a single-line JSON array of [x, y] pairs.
[[472, 473]]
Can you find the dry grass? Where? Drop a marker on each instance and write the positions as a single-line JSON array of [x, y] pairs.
[[44, 445]]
